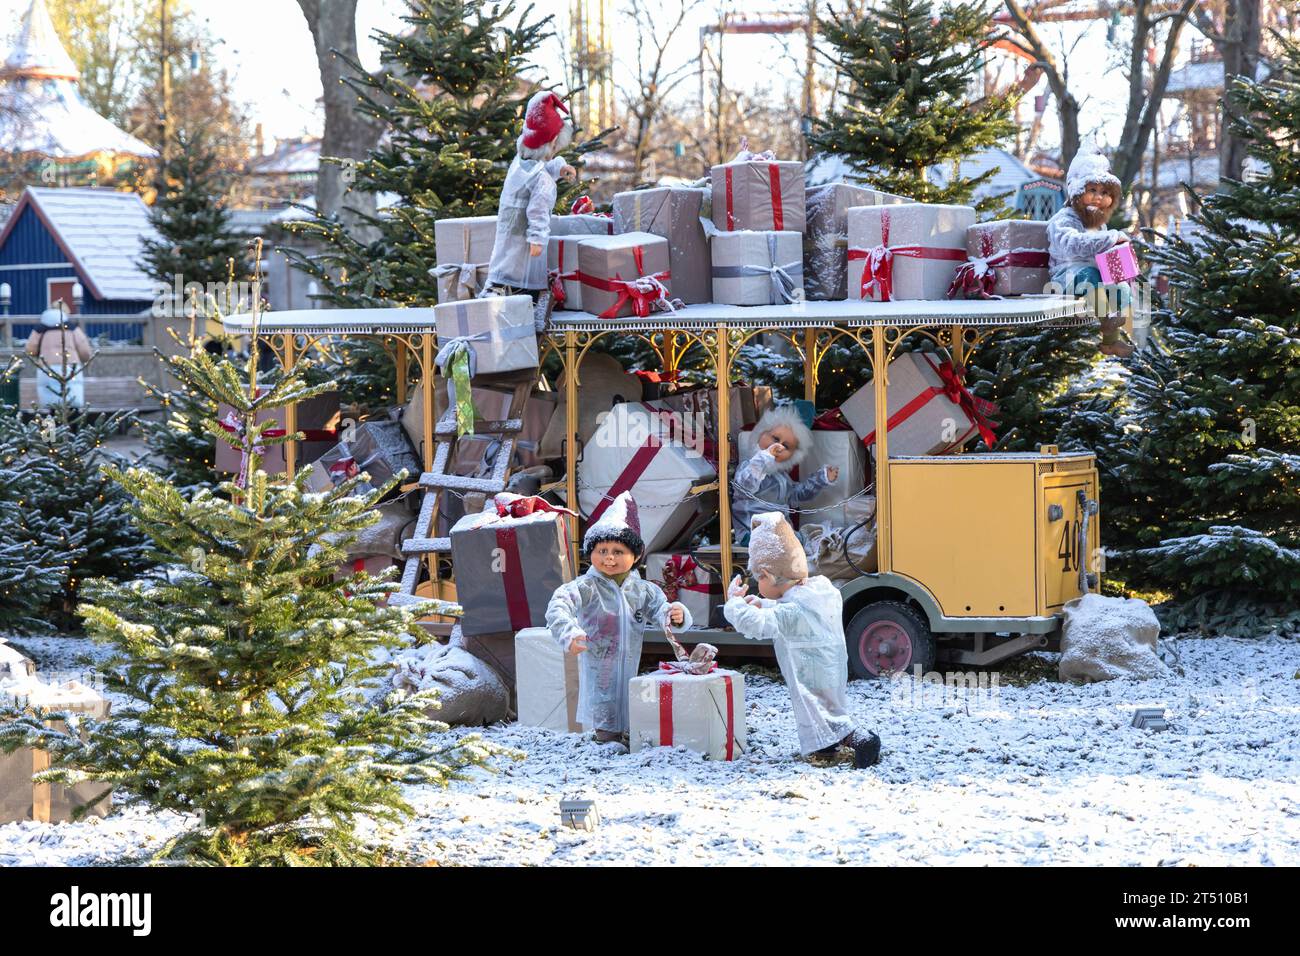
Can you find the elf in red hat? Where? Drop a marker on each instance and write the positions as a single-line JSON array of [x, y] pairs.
[[602, 617], [518, 262]]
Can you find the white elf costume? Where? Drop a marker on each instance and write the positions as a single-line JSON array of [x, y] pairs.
[[806, 629], [528, 199], [614, 616], [764, 484], [1072, 248]]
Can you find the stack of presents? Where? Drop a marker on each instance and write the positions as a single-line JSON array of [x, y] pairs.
[[752, 236], [63, 705]]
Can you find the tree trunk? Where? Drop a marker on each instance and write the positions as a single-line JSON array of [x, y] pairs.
[[348, 134], [1240, 50]]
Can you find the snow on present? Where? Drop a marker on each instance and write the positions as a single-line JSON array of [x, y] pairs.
[[1043, 773]]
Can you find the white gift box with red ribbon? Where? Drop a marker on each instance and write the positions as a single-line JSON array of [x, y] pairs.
[[907, 251], [682, 579], [701, 712], [758, 195], [658, 455]]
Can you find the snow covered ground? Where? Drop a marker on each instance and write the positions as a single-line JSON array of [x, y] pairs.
[[1034, 774]]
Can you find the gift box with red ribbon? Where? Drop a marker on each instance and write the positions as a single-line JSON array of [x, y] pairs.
[[318, 421], [745, 405], [658, 454], [625, 274], [906, 251], [701, 712], [758, 195], [463, 248], [757, 268], [1007, 257], [509, 559], [333, 468], [931, 412], [562, 270], [674, 213], [694, 585], [825, 241], [1118, 265]]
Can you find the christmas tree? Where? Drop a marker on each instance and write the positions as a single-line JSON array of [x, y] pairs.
[[249, 672], [450, 98], [904, 71], [1207, 501]]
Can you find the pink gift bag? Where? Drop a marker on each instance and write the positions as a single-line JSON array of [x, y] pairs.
[[1118, 264]]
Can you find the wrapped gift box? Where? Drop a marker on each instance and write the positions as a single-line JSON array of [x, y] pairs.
[[584, 225], [694, 585], [508, 567], [674, 213], [1118, 264], [757, 268], [381, 450], [333, 468], [384, 538], [546, 682], [758, 196], [463, 248], [372, 564], [906, 251], [1007, 257], [20, 798], [318, 421], [747, 403], [562, 266], [826, 239], [532, 447], [624, 274], [704, 713], [840, 449], [499, 330], [924, 418], [637, 450]]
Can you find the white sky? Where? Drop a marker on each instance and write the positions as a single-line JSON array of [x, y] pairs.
[[266, 47]]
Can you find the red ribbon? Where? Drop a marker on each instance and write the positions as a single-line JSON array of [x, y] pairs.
[[666, 712], [831, 420], [774, 187], [878, 272], [631, 475], [522, 507], [643, 300], [582, 206], [515, 586], [954, 388], [967, 280]]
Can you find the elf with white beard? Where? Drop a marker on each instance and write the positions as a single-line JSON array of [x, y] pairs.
[[763, 483]]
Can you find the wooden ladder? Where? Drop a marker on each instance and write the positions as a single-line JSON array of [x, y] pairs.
[[425, 545]]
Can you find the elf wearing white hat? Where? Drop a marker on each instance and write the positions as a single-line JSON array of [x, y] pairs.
[[1077, 234], [602, 616], [528, 195], [802, 617]]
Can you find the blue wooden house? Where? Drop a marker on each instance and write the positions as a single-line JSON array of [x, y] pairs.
[[58, 238]]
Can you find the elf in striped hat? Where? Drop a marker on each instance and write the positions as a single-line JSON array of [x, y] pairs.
[[602, 617]]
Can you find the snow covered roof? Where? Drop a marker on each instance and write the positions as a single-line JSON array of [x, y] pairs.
[[1011, 172], [1204, 75], [100, 231], [38, 52], [290, 157]]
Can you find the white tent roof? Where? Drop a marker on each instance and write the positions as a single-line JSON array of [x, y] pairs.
[[38, 50], [101, 231]]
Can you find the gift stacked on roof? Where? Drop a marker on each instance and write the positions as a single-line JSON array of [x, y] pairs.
[[20, 798], [1007, 257], [683, 579], [701, 712], [625, 275], [464, 249], [509, 559], [480, 337], [905, 251], [659, 456], [757, 268], [673, 212], [826, 238], [562, 255], [931, 411]]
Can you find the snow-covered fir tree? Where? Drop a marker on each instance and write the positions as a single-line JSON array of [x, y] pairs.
[[249, 672]]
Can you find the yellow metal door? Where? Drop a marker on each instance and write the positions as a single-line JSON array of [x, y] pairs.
[[1060, 549]]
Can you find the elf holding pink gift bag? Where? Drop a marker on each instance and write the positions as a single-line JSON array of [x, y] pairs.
[[1077, 235]]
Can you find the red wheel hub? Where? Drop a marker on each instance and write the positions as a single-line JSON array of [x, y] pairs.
[[885, 647]]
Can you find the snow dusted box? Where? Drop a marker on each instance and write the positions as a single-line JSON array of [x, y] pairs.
[[923, 418], [499, 330], [704, 712], [907, 251], [758, 195], [584, 225], [507, 568], [623, 275], [546, 682], [1008, 257], [638, 449], [826, 238], [757, 268], [674, 213], [463, 248], [562, 267]]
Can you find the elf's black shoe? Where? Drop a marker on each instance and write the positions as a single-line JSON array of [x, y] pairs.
[[866, 749]]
